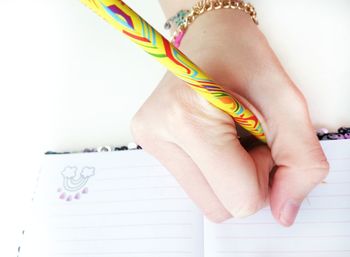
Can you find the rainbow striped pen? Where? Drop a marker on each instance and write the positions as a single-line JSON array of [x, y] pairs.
[[124, 19]]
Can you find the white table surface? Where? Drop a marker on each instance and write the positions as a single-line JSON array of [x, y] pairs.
[[69, 80]]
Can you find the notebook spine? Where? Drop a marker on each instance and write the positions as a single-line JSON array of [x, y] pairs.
[[105, 148]]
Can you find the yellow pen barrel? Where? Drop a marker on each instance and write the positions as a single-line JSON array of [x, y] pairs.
[[124, 19]]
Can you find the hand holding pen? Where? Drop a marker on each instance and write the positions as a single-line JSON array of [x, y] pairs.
[[199, 143]]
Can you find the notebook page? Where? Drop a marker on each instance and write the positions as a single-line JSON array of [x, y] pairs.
[[322, 228], [111, 204]]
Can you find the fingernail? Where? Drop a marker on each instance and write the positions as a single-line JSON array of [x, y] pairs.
[[289, 212]]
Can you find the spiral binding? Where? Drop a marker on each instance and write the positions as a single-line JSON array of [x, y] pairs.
[[322, 134], [105, 148], [342, 133]]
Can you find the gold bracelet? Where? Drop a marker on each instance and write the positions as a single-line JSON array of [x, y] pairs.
[[203, 6]]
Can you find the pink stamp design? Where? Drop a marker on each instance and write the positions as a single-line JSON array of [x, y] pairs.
[[74, 182]]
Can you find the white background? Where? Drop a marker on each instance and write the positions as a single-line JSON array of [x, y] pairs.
[[69, 81]]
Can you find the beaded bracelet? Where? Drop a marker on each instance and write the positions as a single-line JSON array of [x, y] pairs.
[[186, 17]]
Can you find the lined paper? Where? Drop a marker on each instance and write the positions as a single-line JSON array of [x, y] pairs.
[[127, 204], [132, 207], [322, 228]]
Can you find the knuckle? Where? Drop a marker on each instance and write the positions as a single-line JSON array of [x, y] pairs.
[[246, 209], [143, 130], [246, 206], [299, 101], [290, 107], [217, 215], [318, 174], [186, 107], [182, 119], [137, 126], [198, 119], [300, 98], [291, 102], [180, 114], [319, 167], [150, 126]]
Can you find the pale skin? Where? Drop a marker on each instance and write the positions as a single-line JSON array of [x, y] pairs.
[[199, 143]]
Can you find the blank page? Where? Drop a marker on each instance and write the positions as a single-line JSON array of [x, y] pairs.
[[111, 204], [322, 228]]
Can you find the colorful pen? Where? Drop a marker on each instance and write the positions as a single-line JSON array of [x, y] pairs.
[[127, 21]]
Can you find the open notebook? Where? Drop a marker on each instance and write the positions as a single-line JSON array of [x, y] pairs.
[[126, 204]]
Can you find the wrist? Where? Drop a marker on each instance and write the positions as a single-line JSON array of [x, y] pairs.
[[219, 33], [229, 47], [223, 18]]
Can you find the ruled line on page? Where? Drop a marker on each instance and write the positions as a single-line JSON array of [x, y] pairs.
[[124, 239], [279, 237], [296, 223], [121, 252], [281, 252], [338, 159], [125, 226], [136, 188], [346, 170], [133, 177], [130, 167], [337, 182], [305, 208], [131, 200], [335, 195], [121, 213]]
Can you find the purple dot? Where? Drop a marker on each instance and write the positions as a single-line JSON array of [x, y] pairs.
[[69, 198], [85, 190], [77, 196], [322, 131], [63, 196]]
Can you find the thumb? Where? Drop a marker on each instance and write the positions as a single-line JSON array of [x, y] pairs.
[[301, 165]]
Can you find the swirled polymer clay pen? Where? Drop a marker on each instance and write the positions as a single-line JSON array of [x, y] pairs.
[[124, 19]]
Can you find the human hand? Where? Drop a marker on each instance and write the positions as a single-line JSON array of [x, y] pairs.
[[199, 143]]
